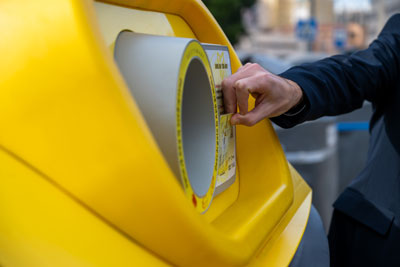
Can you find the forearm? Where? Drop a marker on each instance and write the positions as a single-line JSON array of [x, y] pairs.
[[341, 83]]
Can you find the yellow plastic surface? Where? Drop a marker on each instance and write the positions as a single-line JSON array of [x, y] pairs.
[[66, 113], [42, 225]]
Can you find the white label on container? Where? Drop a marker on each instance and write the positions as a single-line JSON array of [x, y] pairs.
[[221, 68]]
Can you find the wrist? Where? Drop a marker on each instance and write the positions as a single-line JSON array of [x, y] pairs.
[[298, 103], [297, 94]]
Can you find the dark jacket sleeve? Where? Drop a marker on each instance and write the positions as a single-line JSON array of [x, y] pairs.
[[340, 84]]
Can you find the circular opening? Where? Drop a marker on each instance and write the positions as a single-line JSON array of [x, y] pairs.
[[198, 127]]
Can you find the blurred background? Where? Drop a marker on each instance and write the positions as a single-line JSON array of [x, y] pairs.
[[278, 34]]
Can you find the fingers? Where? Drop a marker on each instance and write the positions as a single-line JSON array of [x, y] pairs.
[[243, 88], [229, 90], [250, 118], [259, 87], [242, 95], [229, 97], [274, 95]]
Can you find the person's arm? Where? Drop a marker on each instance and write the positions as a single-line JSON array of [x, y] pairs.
[[331, 86], [340, 84]]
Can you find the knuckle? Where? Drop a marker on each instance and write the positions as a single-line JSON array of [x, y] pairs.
[[256, 66], [240, 85], [266, 78]]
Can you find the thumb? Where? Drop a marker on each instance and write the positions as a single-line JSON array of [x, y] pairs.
[[250, 118]]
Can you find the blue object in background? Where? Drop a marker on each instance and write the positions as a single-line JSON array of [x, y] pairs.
[[340, 38], [352, 126], [307, 29]]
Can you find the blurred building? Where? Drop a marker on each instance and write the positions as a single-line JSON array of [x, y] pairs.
[[381, 10], [322, 10], [343, 25], [273, 14], [371, 16], [271, 27]]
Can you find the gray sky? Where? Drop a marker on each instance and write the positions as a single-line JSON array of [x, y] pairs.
[[352, 5]]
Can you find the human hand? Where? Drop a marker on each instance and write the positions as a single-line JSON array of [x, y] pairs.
[[273, 95]]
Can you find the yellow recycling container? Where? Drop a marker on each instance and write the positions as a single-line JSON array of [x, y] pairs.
[[84, 180]]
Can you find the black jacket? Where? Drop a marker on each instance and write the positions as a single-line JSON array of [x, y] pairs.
[[340, 84]]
